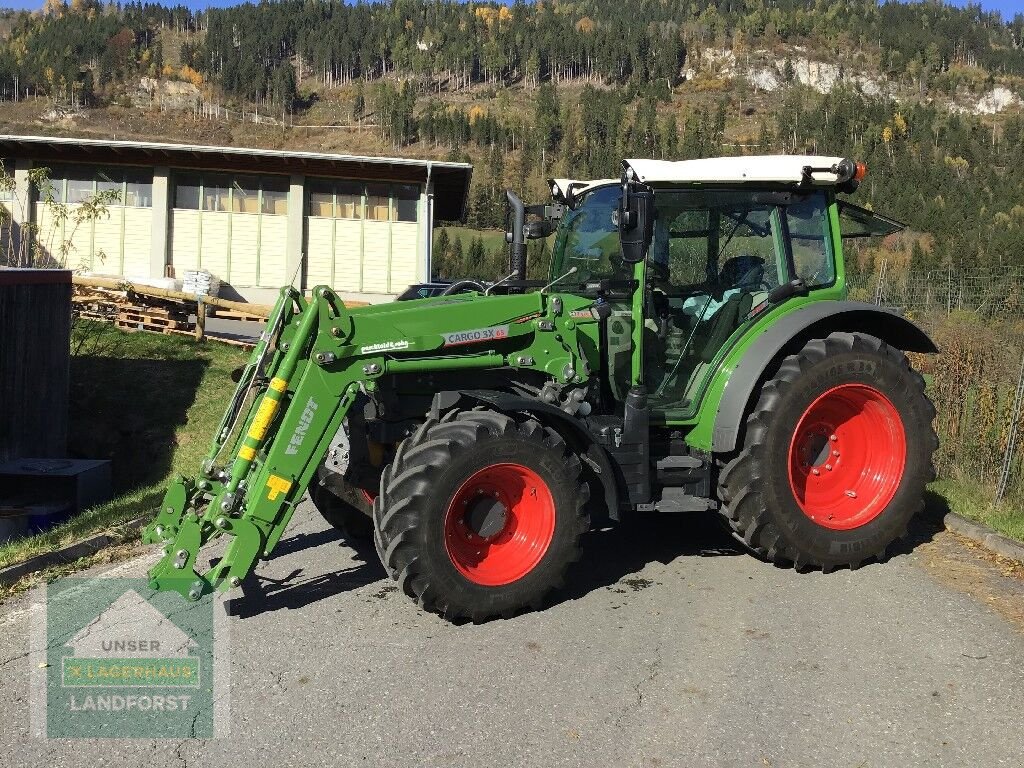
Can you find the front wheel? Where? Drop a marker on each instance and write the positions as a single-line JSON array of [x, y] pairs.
[[836, 455], [479, 515], [345, 507]]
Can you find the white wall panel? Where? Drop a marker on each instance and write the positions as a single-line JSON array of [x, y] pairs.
[[106, 243], [348, 255], [216, 239], [245, 248], [138, 226], [376, 244], [185, 227], [404, 256], [319, 251], [274, 251]]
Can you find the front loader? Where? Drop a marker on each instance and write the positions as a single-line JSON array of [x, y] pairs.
[[691, 351]]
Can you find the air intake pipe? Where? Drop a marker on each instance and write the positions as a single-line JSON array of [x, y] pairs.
[[515, 235]]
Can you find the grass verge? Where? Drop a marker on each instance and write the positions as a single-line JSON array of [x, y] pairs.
[[150, 404], [975, 502]]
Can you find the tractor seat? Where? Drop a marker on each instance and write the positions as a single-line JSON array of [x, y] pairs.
[[717, 329]]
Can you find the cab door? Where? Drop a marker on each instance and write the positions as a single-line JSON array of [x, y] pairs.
[[715, 257]]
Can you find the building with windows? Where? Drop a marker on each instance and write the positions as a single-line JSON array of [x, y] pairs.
[[257, 219]]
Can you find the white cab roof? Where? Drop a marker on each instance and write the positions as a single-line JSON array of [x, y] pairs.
[[561, 186], [784, 169]]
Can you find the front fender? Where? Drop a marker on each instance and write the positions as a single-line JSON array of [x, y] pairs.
[[744, 370], [572, 430]]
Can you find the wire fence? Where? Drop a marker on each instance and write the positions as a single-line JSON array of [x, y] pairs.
[[977, 382], [989, 293]]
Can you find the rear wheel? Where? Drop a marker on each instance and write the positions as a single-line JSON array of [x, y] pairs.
[[480, 515], [836, 455]]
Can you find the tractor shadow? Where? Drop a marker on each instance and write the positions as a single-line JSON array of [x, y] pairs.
[[612, 554], [265, 594], [923, 528]]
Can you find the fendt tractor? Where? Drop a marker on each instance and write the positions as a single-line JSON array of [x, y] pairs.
[[692, 350]]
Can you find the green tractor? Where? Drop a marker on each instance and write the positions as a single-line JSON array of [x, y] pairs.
[[692, 350]]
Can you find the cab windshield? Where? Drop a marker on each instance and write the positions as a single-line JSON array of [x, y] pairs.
[[588, 239]]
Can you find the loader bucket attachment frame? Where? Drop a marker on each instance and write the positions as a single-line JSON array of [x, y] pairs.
[[252, 497]]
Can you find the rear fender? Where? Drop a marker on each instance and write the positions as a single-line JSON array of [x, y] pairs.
[[595, 459], [788, 334]]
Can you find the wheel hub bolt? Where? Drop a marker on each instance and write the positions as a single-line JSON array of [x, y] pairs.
[[833, 438], [828, 467], [815, 471]]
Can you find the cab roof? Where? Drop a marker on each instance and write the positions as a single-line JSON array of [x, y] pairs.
[[563, 187], [754, 169]]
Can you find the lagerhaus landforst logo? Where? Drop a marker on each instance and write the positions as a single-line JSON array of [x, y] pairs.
[[124, 662]]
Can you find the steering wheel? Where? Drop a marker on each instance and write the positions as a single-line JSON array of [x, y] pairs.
[[460, 286]]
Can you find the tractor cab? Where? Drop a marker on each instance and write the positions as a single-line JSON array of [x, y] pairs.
[[729, 238]]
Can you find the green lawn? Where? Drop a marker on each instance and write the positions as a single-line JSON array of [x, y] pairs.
[[494, 239], [975, 502], [147, 402]]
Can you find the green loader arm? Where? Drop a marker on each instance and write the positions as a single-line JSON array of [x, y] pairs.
[[305, 372]]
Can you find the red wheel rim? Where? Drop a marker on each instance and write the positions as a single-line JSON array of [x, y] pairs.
[[847, 456], [518, 511]]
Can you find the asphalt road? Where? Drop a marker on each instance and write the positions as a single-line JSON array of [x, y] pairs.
[[669, 649]]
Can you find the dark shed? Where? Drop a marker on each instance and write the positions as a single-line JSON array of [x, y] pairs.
[[35, 330]]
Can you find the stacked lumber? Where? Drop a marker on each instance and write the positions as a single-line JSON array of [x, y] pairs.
[[235, 314]]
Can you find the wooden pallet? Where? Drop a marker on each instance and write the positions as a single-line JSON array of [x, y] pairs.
[[101, 316], [149, 320]]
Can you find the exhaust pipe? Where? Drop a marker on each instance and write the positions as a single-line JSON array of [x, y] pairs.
[[515, 236]]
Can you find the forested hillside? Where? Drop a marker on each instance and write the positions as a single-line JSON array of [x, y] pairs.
[[929, 95]]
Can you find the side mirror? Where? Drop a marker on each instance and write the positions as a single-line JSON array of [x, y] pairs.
[[535, 230], [635, 221]]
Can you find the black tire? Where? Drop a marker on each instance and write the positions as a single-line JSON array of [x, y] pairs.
[[350, 514], [431, 468], [760, 503]]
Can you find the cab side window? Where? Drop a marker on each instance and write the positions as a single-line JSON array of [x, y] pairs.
[[807, 221]]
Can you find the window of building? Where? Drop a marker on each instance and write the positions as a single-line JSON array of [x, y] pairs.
[[122, 186], [321, 200], [245, 195], [275, 197], [216, 193], [378, 202], [350, 200], [6, 179], [241, 194], [109, 184], [138, 189], [407, 198], [356, 200], [79, 187], [187, 192]]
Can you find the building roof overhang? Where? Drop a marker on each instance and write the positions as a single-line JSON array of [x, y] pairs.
[[450, 180]]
